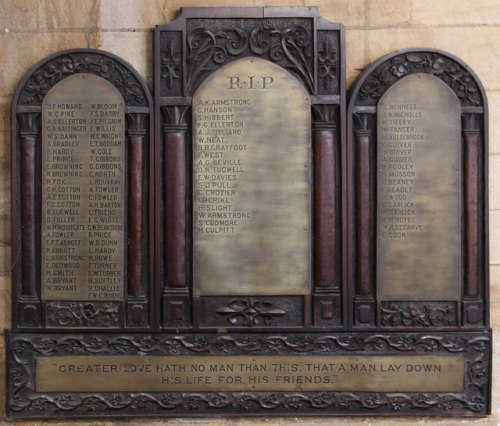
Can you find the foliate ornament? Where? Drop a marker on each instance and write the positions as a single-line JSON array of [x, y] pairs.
[[325, 115], [289, 47], [176, 114], [207, 48], [170, 67], [83, 314], [389, 72], [250, 312], [61, 67], [413, 314]]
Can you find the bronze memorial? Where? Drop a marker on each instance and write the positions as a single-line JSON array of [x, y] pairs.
[[249, 244]]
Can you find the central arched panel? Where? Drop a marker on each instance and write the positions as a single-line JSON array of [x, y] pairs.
[[251, 182]]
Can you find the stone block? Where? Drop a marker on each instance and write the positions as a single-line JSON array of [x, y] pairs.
[[495, 284], [5, 296], [494, 122], [68, 14], [18, 15], [350, 13], [26, 49], [495, 237], [5, 126], [124, 14], [134, 47], [4, 185], [4, 259], [355, 55], [5, 143], [388, 12], [453, 12], [477, 47], [5, 113], [494, 186]]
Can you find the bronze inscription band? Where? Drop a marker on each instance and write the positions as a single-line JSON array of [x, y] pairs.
[[250, 373]]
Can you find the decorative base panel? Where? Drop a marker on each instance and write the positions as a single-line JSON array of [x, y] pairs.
[[94, 375]]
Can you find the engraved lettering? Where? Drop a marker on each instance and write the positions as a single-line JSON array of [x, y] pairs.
[[251, 181], [416, 373], [418, 191], [83, 191]]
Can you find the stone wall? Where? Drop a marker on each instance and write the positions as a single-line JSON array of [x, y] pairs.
[[470, 29]]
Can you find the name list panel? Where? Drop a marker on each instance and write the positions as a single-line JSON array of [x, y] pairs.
[[251, 182], [418, 191], [83, 195]]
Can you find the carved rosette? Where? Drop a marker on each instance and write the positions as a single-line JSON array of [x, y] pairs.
[[445, 68], [24, 402], [64, 65]]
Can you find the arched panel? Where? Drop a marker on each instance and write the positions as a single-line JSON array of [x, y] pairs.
[[251, 182], [418, 207], [81, 130]]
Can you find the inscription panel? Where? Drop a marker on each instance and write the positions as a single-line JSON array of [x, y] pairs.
[[418, 191], [432, 373], [83, 195], [251, 182]]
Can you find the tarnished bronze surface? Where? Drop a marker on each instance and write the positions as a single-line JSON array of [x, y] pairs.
[[432, 373], [83, 195], [418, 191], [251, 182]]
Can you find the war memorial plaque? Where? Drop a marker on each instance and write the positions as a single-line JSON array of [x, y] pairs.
[[83, 190], [256, 276]]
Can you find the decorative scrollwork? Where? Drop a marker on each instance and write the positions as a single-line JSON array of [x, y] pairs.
[[250, 312], [83, 314], [290, 47], [24, 348], [206, 48], [24, 400], [412, 314], [63, 66], [452, 73]]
